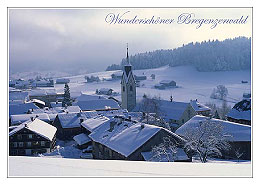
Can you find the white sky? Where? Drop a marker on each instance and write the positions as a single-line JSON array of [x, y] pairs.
[[45, 39]]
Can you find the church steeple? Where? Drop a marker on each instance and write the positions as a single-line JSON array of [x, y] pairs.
[[128, 86]]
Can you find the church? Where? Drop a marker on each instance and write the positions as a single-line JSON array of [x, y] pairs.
[[128, 86]]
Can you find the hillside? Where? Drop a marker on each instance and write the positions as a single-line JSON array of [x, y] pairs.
[[227, 55], [191, 83]]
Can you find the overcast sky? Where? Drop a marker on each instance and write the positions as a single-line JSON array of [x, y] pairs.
[[80, 40]]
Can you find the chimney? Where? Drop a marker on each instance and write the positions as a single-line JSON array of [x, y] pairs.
[[32, 118], [142, 125], [81, 120], [79, 114], [129, 117], [171, 98]]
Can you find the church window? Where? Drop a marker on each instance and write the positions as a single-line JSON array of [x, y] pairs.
[[131, 88], [123, 88]]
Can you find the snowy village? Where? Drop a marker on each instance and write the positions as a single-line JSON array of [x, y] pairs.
[[161, 107]]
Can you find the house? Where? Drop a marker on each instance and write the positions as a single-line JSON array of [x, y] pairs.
[[43, 83], [176, 113], [240, 135], [159, 86], [23, 108], [105, 91], [140, 77], [32, 137], [168, 83], [126, 140], [241, 112], [200, 108], [69, 124], [62, 81], [46, 95], [117, 75], [98, 105]]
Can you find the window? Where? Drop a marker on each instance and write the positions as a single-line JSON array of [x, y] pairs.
[[30, 136], [131, 88], [19, 137], [14, 144], [42, 143], [29, 144], [20, 144], [182, 120], [123, 88]]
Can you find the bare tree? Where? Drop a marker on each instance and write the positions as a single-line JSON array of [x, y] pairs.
[[206, 139], [220, 93], [165, 151]]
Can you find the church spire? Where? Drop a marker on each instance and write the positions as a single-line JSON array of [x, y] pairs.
[[127, 58]]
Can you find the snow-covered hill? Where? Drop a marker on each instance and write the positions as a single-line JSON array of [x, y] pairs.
[[38, 166], [192, 84]]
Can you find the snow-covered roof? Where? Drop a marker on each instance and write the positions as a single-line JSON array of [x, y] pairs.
[[81, 139], [19, 95], [172, 110], [112, 113], [70, 109], [39, 127], [180, 155], [123, 137], [241, 111], [198, 106], [16, 102], [99, 104], [105, 89], [86, 97], [56, 104], [20, 118], [238, 132], [21, 108], [93, 123], [38, 101], [73, 120]]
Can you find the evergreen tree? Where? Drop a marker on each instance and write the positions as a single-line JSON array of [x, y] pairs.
[[66, 100]]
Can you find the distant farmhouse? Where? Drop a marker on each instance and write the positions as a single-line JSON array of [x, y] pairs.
[[105, 91], [165, 84], [32, 137], [240, 135], [241, 112], [46, 95]]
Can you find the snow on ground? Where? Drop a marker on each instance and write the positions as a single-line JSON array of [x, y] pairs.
[[192, 84], [38, 166]]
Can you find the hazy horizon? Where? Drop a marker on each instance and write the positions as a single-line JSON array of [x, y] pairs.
[[79, 40]]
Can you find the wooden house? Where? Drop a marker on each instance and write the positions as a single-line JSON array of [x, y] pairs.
[[32, 137]]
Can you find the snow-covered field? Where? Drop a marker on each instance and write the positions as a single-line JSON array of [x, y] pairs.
[[192, 84], [38, 166]]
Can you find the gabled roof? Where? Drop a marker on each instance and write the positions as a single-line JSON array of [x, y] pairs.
[[21, 108], [86, 97], [238, 131], [81, 139], [21, 118], [99, 104], [199, 107], [18, 95], [93, 123], [72, 120], [172, 110], [123, 137], [37, 126]]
